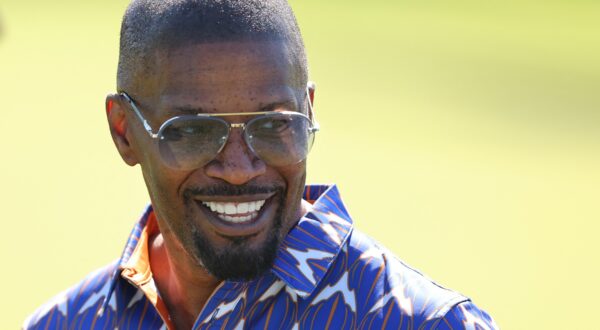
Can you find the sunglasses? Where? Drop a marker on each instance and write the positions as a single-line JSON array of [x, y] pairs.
[[279, 138]]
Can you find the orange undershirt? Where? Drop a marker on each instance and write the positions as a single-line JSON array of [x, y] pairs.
[[137, 270]]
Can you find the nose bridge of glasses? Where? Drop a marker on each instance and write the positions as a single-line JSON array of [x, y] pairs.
[[235, 136], [236, 150]]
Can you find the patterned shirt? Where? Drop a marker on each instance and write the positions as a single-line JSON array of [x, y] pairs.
[[326, 275]]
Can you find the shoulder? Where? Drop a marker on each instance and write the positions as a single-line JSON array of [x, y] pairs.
[[391, 294], [80, 302], [464, 316]]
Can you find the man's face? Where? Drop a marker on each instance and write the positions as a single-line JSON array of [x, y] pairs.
[[230, 214]]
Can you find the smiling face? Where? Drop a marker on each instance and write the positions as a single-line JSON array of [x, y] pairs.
[[230, 214]]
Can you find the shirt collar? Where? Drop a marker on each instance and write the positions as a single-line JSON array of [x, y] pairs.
[[308, 251], [304, 256], [130, 246]]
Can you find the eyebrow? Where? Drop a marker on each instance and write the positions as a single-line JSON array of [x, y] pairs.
[[187, 110]]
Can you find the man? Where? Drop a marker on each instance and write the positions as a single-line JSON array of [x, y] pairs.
[[215, 106]]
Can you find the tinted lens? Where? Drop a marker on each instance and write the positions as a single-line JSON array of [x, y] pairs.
[[190, 141], [280, 139]]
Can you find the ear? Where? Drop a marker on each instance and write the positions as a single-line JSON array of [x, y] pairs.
[[117, 122], [310, 87]]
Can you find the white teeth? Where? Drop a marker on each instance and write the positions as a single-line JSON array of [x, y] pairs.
[[238, 219], [252, 207], [236, 212], [243, 207], [230, 208], [255, 206]]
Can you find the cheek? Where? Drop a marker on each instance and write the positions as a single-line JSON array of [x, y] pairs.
[[161, 182], [295, 177], [169, 206], [163, 186], [160, 179]]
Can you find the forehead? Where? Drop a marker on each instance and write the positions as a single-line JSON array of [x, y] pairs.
[[223, 73]]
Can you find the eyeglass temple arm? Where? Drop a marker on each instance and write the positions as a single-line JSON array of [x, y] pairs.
[[138, 113], [313, 119]]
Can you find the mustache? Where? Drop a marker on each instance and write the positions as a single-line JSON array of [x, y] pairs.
[[231, 190]]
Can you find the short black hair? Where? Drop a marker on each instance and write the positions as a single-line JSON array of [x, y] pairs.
[[149, 25]]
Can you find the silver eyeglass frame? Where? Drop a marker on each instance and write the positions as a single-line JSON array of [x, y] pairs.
[[314, 124]]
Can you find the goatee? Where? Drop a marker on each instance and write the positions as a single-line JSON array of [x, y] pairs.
[[239, 261]]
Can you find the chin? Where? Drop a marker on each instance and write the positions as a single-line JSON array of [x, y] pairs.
[[240, 258]]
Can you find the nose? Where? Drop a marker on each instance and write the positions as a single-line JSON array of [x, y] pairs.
[[236, 163]]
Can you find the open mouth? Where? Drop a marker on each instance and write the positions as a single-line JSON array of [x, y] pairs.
[[239, 215], [236, 212]]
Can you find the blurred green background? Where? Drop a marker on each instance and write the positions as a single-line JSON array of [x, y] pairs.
[[464, 136]]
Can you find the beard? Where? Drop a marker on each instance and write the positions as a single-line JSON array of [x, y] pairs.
[[239, 260]]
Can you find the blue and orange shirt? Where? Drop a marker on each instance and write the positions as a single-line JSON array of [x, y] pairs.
[[326, 276]]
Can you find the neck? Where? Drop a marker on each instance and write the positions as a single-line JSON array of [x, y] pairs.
[[183, 286]]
